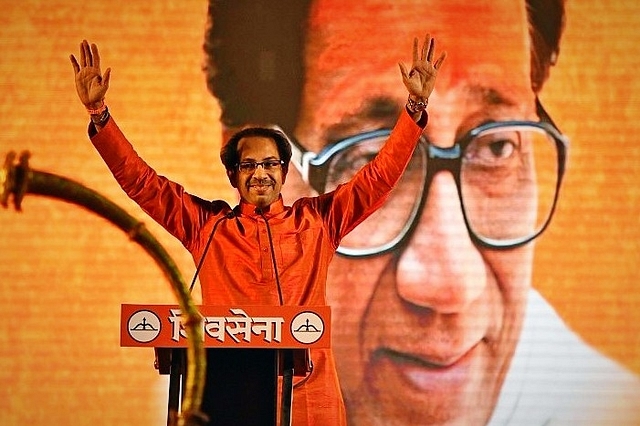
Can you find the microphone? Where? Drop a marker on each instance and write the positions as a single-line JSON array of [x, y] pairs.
[[230, 215], [260, 212], [288, 373]]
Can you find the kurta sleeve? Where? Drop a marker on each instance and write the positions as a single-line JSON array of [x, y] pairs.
[[165, 201], [354, 201]]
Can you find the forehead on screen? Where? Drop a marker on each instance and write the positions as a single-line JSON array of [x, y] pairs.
[[351, 59]]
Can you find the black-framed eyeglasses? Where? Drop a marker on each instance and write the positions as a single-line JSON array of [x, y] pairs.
[[508, 176], [251, 166]]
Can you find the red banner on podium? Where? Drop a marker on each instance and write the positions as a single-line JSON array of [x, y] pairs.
[[160, 326]]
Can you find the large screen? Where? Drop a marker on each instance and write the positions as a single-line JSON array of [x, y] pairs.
[[571, 294]]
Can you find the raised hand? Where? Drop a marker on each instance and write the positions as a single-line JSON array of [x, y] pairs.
[[421, 79], [91, 84]]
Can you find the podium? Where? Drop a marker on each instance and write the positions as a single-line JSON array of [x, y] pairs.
[[248, 349]]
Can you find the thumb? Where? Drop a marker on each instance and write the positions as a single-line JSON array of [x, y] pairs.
[[438, 63], [403, 71], [74, 63], [106, 78]]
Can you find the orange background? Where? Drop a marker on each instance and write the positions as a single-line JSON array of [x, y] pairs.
[[64, 273]]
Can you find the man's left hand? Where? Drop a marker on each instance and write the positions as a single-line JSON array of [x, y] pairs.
[[421, 79]]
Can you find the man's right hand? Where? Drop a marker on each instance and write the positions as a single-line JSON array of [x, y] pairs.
[[91, 85]]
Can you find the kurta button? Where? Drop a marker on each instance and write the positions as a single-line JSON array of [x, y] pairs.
[[264, 249]]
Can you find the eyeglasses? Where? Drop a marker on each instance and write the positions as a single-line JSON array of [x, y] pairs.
[[508, 176], [251, 166]]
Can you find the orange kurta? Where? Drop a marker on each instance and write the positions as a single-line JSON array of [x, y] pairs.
[[238, 268]]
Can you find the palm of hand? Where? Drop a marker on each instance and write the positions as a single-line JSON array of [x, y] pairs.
[[89, 85], [421, 80]]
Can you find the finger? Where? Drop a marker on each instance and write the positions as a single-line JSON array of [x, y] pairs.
[[95, 55], [86, 50], [83, 56], [89, 55], [415, 49], [74, 63], [432, 43], [440, 60], [425, 45]]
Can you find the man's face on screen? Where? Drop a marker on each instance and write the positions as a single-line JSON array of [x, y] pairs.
[[425, 334]]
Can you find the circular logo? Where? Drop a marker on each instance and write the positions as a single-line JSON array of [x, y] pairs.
[[144, 326], [307, 327]]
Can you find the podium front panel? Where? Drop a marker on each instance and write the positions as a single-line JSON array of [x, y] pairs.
[[272, 327]]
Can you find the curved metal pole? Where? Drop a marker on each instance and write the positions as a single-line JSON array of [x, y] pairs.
[[17, 180]]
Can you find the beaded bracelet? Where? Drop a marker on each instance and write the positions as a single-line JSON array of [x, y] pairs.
[[98, 111]]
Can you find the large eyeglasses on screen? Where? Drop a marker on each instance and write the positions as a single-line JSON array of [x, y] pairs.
[[508, 176]]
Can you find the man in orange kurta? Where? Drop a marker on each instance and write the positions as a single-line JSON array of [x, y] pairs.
[[263, 252]]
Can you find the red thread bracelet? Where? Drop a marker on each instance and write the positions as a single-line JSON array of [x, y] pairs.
[[98, 111]]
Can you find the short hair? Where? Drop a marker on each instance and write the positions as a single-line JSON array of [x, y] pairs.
[[254, 60], [254, 56], [229, 151], [546, 25]]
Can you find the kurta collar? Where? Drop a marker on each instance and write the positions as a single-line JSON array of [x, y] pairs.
[[273, 209]]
